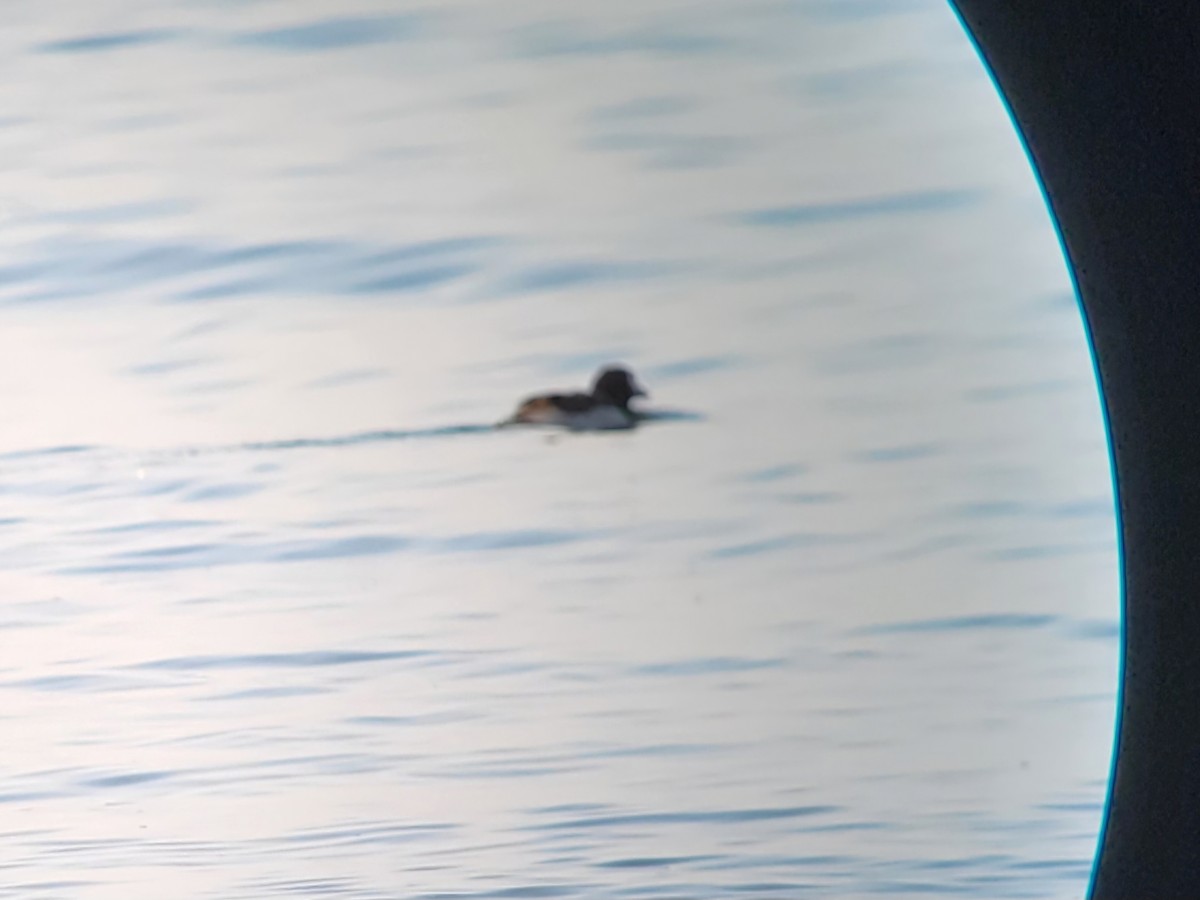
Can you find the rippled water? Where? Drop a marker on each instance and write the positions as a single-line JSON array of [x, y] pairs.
[[284, 617]]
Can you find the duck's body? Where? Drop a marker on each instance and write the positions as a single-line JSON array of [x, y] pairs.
[[577, 411], [605, 408]]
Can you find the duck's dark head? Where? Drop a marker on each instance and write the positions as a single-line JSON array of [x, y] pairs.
[[615, 385]]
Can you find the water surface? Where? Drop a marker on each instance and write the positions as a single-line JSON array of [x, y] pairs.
[[284, 617]]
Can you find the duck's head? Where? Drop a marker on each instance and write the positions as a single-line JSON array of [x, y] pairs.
[[615, 385]]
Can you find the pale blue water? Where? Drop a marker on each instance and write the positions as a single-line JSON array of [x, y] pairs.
[[284, 616]]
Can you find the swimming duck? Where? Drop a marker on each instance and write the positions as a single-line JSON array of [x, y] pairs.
[[606, 407]]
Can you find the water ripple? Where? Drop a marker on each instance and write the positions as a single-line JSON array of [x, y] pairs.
[[562, 39], [716, 817], [908, 204], [964, 623], [363, 833], [654, 862], [561, 275], [98, 43], [69, 267], [301, 660], [124, 779], [337, 33], [716, 665]]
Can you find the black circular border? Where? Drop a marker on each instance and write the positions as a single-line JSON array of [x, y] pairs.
[[1106, 96]]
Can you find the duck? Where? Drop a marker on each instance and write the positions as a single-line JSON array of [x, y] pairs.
[[604, 408]]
